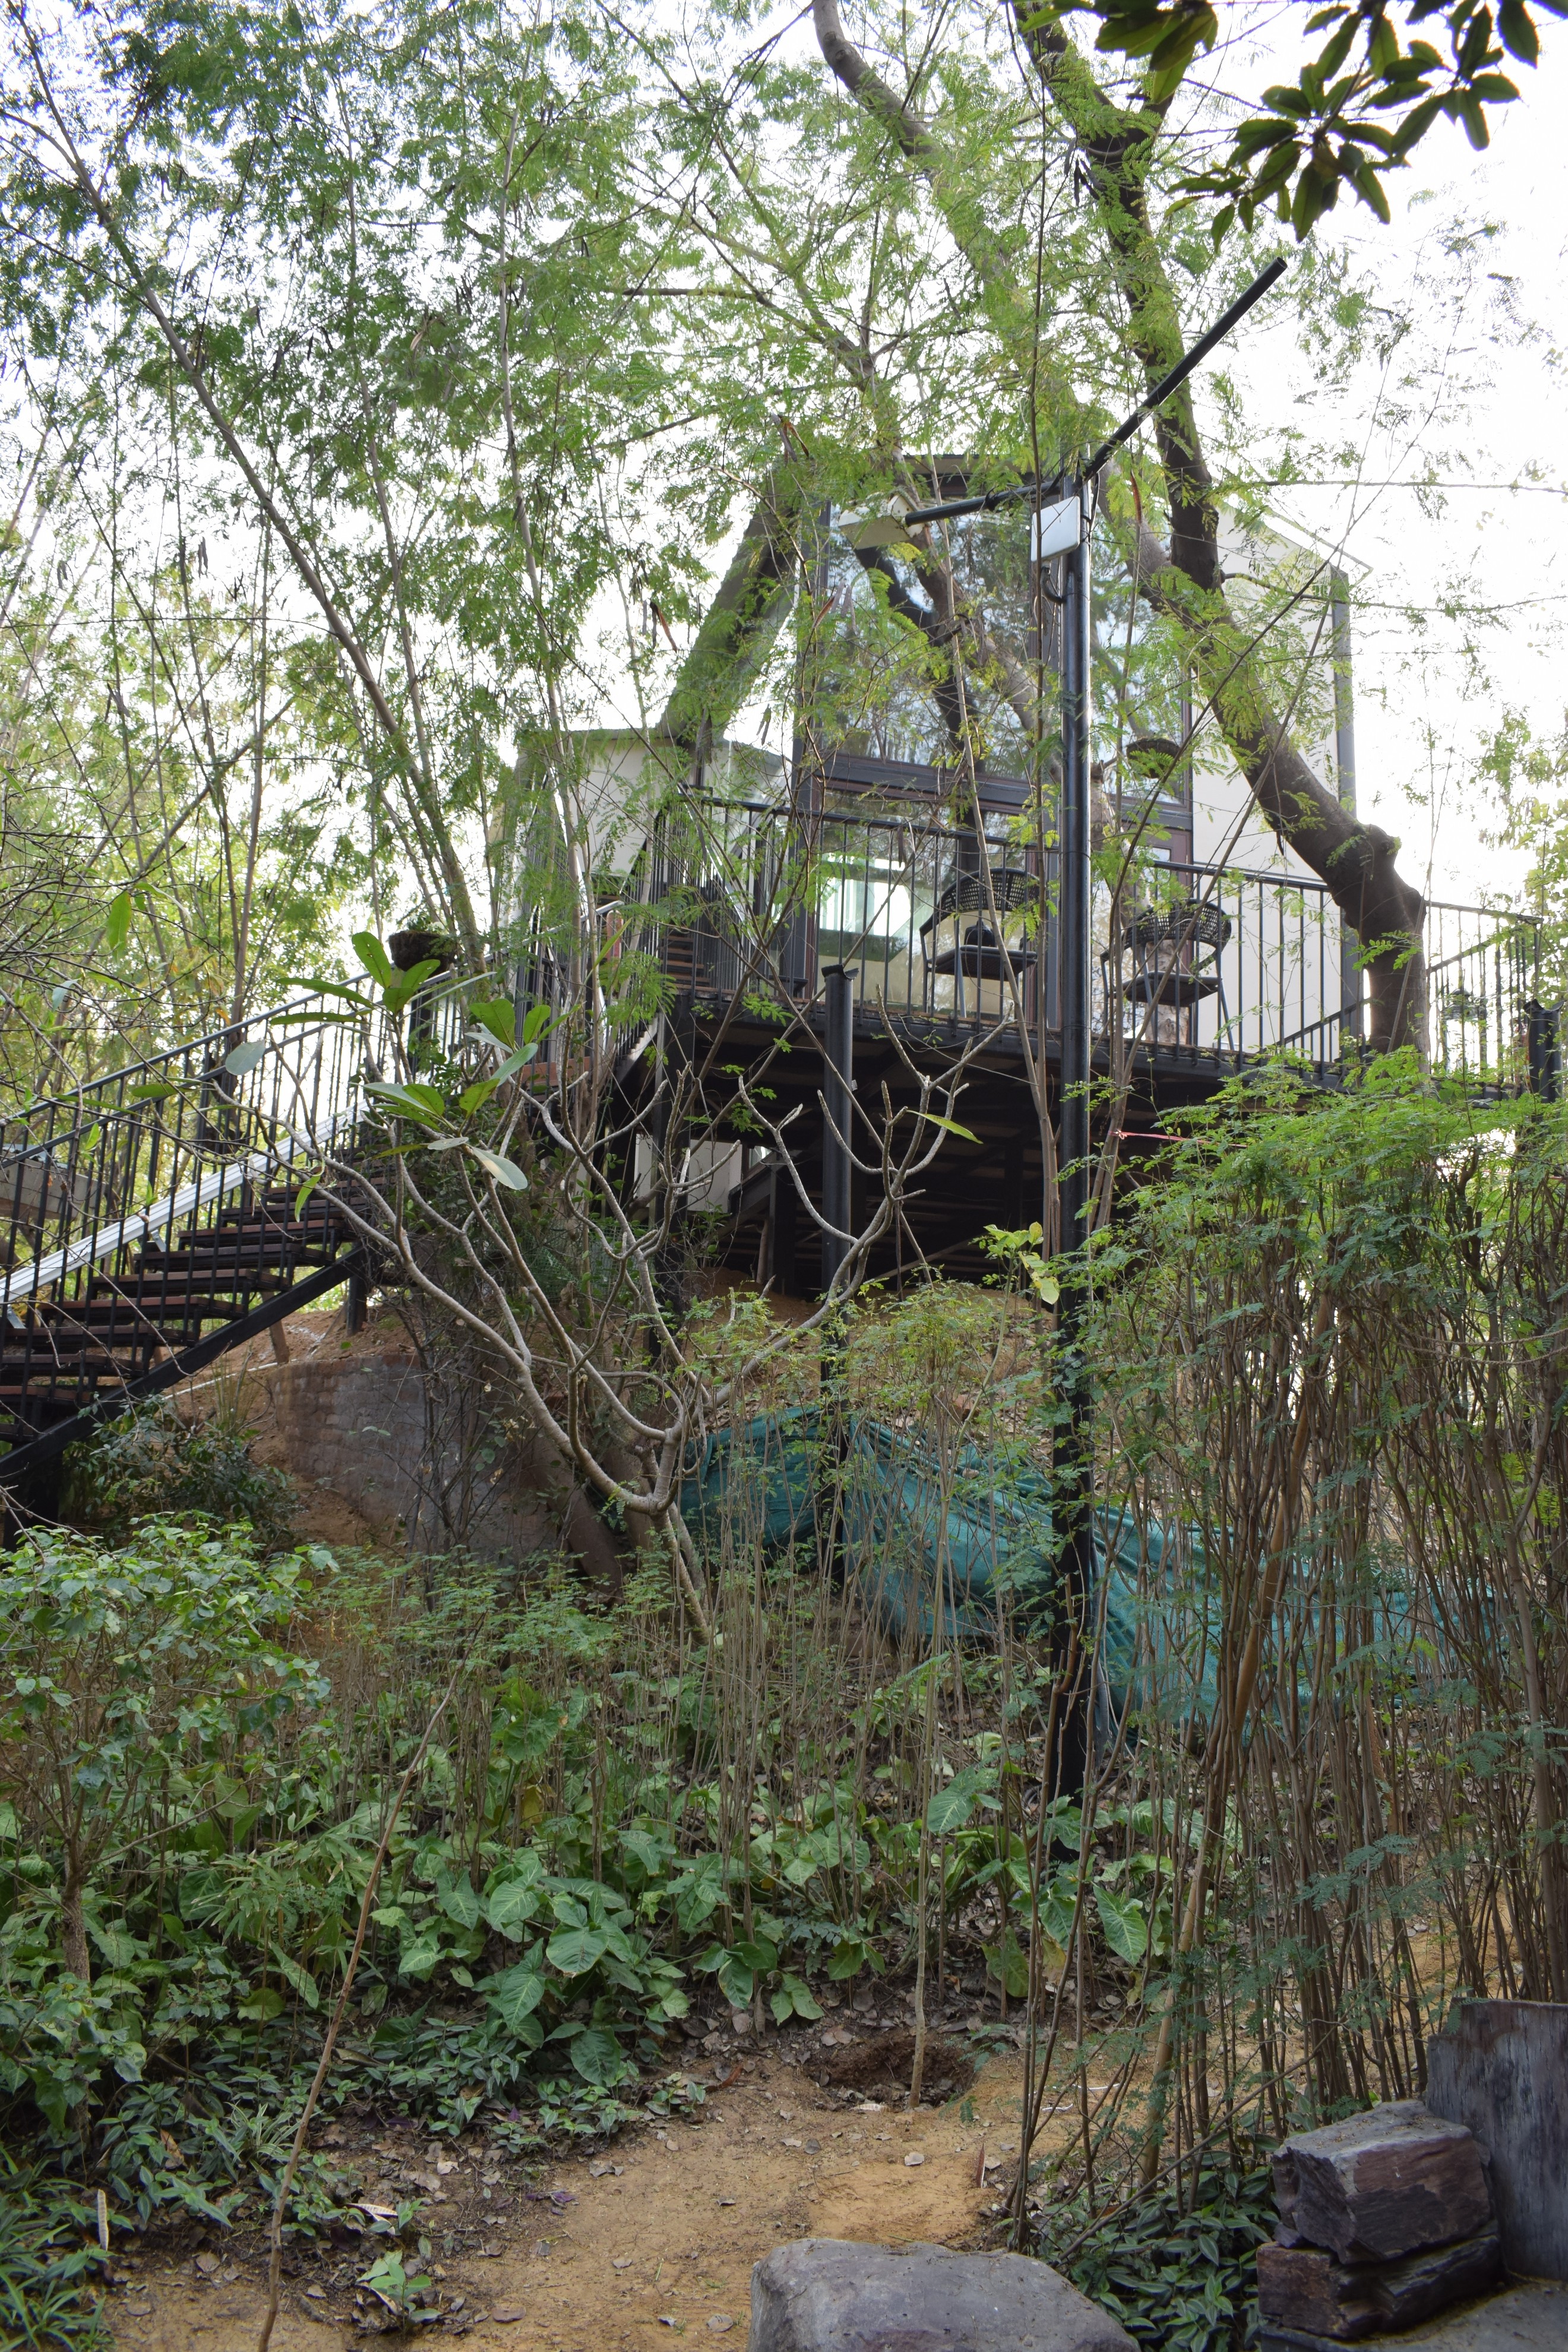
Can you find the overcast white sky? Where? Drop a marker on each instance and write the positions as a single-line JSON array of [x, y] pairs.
[[1417, 725]]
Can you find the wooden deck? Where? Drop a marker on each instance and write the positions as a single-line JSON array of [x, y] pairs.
[[997, 1178]]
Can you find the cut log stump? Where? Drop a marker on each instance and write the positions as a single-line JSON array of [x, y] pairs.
[[1500, 2067]]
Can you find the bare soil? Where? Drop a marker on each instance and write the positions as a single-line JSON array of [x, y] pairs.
[[651, 2236], [883, 2067]]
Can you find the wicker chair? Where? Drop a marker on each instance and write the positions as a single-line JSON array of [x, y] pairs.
[[978, 954], [1176, 953]]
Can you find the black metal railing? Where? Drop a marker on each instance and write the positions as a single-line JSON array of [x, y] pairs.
[[122, 1174], [947, 929], [1207, 963], [130, 1158]]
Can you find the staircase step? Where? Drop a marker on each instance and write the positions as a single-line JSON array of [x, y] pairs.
[[275, 1213], [263, 1248], [69, 1364], [238, 1262], [94, 1313], [251, 1249], [120, 1325], [183, 1286], [255, 1229]]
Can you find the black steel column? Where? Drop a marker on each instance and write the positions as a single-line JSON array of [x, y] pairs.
[[1543, 1049], [1074, 1446], [1345, 769], [837, 1090]]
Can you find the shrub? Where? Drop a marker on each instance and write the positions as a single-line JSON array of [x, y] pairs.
[[131, 1685], [152, 1463]]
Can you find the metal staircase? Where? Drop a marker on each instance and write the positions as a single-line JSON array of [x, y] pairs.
[[158, 1216]]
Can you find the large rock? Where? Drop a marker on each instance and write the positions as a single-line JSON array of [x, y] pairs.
[[1532, 2319], [823, 2294], [1382, 2184]]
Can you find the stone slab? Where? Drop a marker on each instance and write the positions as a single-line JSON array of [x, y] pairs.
[[825, 2294], [1530, 2318], [1382, 2184], [1303, 2287], [1500, 2067]]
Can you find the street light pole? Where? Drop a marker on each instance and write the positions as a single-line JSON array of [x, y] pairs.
[[1063, 529], [1072, 1480]]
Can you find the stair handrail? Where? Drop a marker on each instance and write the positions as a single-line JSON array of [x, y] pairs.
[[226, 1035], [120, 1119], [41, 1274]]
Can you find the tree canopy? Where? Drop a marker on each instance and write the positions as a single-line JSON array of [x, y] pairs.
[[389, 383], [1355, 110]]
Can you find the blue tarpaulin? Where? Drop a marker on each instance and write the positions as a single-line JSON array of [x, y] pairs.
[[766, 1479]]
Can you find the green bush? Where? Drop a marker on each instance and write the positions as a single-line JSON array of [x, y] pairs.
[[1180, 2273], [138, 1690], [194, 1814], [47, 2259], [152, 1463], [190, 1828]]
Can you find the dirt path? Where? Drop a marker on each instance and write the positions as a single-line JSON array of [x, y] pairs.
[[652, 2237]]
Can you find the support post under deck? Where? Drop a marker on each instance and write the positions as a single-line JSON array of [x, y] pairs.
[[838, 1093]]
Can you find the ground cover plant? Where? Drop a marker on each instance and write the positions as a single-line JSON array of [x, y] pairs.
[[198, 1744]]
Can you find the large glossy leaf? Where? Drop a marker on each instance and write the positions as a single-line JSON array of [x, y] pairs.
[[796, 1997], [420, 1957], [596, 2056], [651, 1855], [1126, 1927], [736, 1982], [953, 1806], [1009, 1964], [409, 983], [412, 1101], [1058, 1903], [575, 1950], [515, 1993], [511, 1905], [500, 1169], [496, 1015], [460, 1903], [375, 960]]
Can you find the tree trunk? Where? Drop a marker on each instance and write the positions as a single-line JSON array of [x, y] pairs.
[[754, 599], [73, 1926], [1356, 860]]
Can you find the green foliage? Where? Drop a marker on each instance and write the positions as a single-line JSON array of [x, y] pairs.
[[1348, 117], [154, 1462], [48, 2256], [396, 2289], [1179, 2271], [190, 1836], [133, 1685]]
